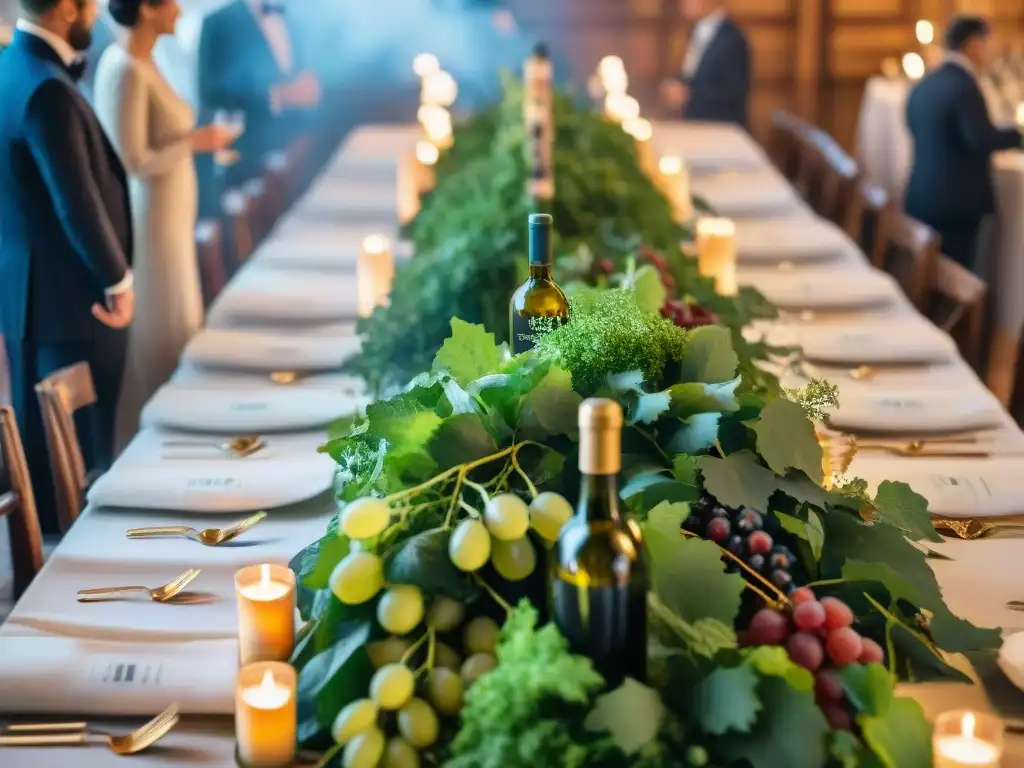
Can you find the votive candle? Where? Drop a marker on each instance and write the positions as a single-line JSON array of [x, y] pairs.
[[415, 176], [676, 185], [716, 253], [375, 269], [964, 738], [266, 613], [266, 714]]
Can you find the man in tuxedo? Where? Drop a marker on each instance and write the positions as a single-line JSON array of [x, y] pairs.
[[950, 184], [248, 62], [715, 81], [65, 232]]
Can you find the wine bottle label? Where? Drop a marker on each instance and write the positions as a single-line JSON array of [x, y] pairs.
[[527, 331]]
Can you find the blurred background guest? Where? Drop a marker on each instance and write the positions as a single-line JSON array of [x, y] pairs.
[[154, 132], [715, 81], [104, 34], [950, 184], [66, 291], [248, 63]]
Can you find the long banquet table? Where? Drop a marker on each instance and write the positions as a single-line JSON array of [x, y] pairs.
[[58, 658]]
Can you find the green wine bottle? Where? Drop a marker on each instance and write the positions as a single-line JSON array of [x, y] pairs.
[[538, 305], [600, 582]]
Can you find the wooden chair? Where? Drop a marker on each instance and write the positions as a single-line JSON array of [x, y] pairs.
[[912, 258], [237, 233], [839, 181], [276, 182], [18, 505], [958, 306], [210, 254], [810, 164], [783, 146], [60, 395], [300, 152], [869, 220], [255, 191]]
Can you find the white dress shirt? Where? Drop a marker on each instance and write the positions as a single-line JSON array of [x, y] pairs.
[[69, 55], [703, 33], [278, 37]]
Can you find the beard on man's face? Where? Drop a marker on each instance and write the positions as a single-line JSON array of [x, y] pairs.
[[80, 35]]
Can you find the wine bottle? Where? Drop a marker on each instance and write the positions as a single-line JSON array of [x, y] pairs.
[[600, 581], [538, 305], [540, 125]]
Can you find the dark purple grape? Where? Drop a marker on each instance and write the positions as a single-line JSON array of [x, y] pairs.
[[693, 523], [749, 520], [782, 580], [756, 562], [779, 561], [735, 545], [718, 529], [719, 512], [759, 543]]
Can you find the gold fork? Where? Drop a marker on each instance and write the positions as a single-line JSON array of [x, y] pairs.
[[920, 448], [211, 537], [159, 594], [136, 741], [973, 528]]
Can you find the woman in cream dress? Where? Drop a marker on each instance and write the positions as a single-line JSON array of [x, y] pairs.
[[154, 131]]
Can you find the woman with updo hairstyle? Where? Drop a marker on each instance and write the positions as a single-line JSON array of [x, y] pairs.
[[154, 131]]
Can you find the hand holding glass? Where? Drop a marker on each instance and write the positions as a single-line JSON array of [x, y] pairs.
[[233, 124]]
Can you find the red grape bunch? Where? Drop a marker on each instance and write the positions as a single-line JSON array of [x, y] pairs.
[[650, 256], [819, 636]]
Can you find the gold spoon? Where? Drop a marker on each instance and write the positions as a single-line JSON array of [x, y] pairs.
[[241, 446], [284, 377], [211, 537], [972, 528], [918, 447], [862, 372], [159, 594], [141, 738]]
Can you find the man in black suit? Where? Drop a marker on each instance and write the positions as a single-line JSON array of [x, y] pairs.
[[249, 62], [715, 81], [950, 184], [65, 232]]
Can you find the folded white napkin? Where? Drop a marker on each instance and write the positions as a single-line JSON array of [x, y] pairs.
[[199, 377], [275, 540], [954, 487], [799, 239], [269, 293], [268, 352], [753, 194], [67, 675], [906, 341], [823, 288], [882, 409], [271, 409], [203, 479]]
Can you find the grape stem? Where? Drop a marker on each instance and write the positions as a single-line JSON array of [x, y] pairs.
[[431, 646], [490, 590], [473, 511], [479, 488], [526, 478], [328, 756], [415, 646], [782, 601]]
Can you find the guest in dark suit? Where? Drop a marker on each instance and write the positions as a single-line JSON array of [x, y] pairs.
[[248, 62], [950, 184], [104, 34], [65, 232], [715, 81]]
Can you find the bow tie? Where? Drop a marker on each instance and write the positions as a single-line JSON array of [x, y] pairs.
[[272, 9], [77, 68]]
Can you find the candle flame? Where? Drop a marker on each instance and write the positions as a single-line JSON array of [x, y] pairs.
[[610, 65], [375, 244], [967, 726], [670, 165], [710, 225], [427, 153], [913, 66], [424, 64], [639, 128], [268, 683], [265, 575], [925, 32]]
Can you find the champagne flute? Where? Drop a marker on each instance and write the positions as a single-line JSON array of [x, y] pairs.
[[232, 121]]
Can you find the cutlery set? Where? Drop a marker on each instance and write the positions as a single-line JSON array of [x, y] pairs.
[[79, 734]]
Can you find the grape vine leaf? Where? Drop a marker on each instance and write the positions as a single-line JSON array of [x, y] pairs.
[[847, 751], [648, 407], [785, 439], [461, 439], [704, 637], [807, 525], [633, 714], [898, 505], [790, 731], [469, 353], [689, 575], [869, 687], [423, 561], [695, 434], [726, 700], [685, 469], [550, 408], [709, 356], [690, 398], [901, 737], [647, 287], [314, 564], [774, 660], [738, 480]]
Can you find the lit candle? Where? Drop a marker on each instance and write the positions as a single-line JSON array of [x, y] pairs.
[[925, 32], [615, 81], [913, 66], [1020, 115], [609, 66], [963, 738], [265, 714], [415, 176], [375, 270], [641, 129], [620, 107], [266, 613], [716, 253], [439, 88], [425, 64], [676, 185]]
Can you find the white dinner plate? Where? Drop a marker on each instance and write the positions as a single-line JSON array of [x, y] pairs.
[[875, 343], [823, 288], [918, 411], [797, 240], [267, 352], [271, 293]]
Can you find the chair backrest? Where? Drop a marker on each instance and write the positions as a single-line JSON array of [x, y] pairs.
[[869, 220], [912, 258], [210, 253], [840, 175], [301, 164], [238, 240], [958, 306], [18, 505], [277, 170], [810, 163], [60, 395], [783, 146]]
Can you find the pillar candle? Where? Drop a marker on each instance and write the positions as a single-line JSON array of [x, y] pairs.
[[266, 714], [716, 253], [675, 180], [415, 176], [375, 270], [266, 613], [964, 738]]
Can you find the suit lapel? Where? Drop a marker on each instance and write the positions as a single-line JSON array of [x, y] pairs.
[[711, 49], [247, 20]]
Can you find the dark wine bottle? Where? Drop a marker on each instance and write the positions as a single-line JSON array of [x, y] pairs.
[[538, 113], [600, 580], [538, 305]]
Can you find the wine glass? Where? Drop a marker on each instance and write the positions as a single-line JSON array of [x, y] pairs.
[[232, 121]]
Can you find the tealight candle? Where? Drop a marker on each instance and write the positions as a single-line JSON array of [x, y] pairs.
[[620, 106], [440, 88], [425, 64], [375, 269], [716, 253], [266, 715], [913, 66], [266, 613], [676, 185], [963, 738]]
